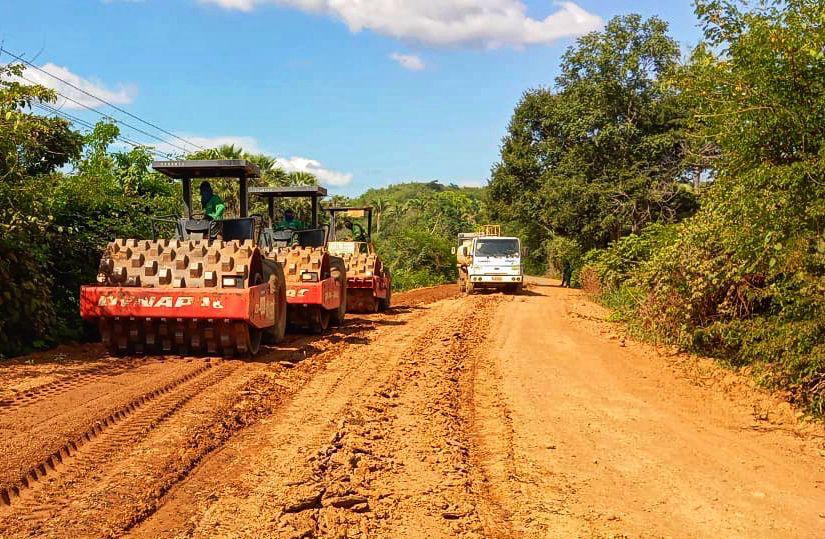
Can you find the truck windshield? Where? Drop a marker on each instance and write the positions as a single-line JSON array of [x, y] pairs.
[[497, 248]]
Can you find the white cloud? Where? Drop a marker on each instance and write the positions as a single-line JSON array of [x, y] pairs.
[[491, 23], [325, 176], [239, 5], [123, 94], [409, 61]]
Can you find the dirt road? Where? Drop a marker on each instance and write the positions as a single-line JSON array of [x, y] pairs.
[[480, 416]]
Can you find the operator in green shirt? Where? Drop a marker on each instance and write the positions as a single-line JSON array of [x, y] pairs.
[[213, 206], [289, 222], [356, 230]]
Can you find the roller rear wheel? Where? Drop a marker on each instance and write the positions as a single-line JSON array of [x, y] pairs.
[[276, 333], [248, 337], [339, 271], [386, 303], [319, 319]]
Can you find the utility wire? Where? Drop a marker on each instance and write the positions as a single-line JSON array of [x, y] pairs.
[[116, 120], [90, 128], [126, 112]]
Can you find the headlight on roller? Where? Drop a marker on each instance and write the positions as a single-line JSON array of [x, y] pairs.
[[232, 281]]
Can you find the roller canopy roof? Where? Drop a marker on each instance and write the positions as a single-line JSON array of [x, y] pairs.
[[212, 168], [290, 191]]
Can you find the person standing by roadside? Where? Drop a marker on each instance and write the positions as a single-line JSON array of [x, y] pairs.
[[566, 273]]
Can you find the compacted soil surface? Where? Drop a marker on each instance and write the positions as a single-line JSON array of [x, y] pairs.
[[447, 416]]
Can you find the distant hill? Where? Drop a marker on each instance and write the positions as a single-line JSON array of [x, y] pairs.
[[402, 192]]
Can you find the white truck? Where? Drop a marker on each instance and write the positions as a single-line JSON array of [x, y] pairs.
[[487, 260]]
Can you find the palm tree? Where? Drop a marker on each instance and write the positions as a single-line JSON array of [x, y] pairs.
[[230, 151], [264, 162], [414, 204], [300, 177], [381, 206], [226, 189]]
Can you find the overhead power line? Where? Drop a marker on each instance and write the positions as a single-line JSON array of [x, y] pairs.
[[116, 120], [83, 123], [101, 100]]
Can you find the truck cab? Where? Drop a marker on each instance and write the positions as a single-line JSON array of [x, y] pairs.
[[493, 262]]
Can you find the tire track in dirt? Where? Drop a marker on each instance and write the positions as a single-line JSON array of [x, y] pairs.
[[63, 384], [98, 444], [400, 465], [270, 472], [124, 461], [114, 481], [490, 425], [35, 437]]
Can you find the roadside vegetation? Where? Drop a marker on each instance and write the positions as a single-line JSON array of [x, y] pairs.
[[689, 193], [685, 188], [416, 228], [66, 192]]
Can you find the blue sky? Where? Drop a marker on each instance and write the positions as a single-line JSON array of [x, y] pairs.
[[363, 93]]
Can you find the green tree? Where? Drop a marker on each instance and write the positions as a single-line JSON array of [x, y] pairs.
[[54, 223], [601, 155], [30, 144], [272, 174], [746, 276], [744, 279], [382, 206], [418, 226], [32, 149]]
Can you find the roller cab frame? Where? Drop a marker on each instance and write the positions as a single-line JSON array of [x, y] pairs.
[[369, 282], [315, 278], [208, 289]]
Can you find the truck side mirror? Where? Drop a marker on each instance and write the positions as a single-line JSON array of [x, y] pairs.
[[525, 252], [452, 250]]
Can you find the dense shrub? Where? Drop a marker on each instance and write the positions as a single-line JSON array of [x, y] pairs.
[[561, 250], [417, 258], [743, 279], [616, 264], [746, 278], [52, 243]]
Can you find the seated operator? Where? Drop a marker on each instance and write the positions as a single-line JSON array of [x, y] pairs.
[[289, 222], [213, 205], [356, 230]]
